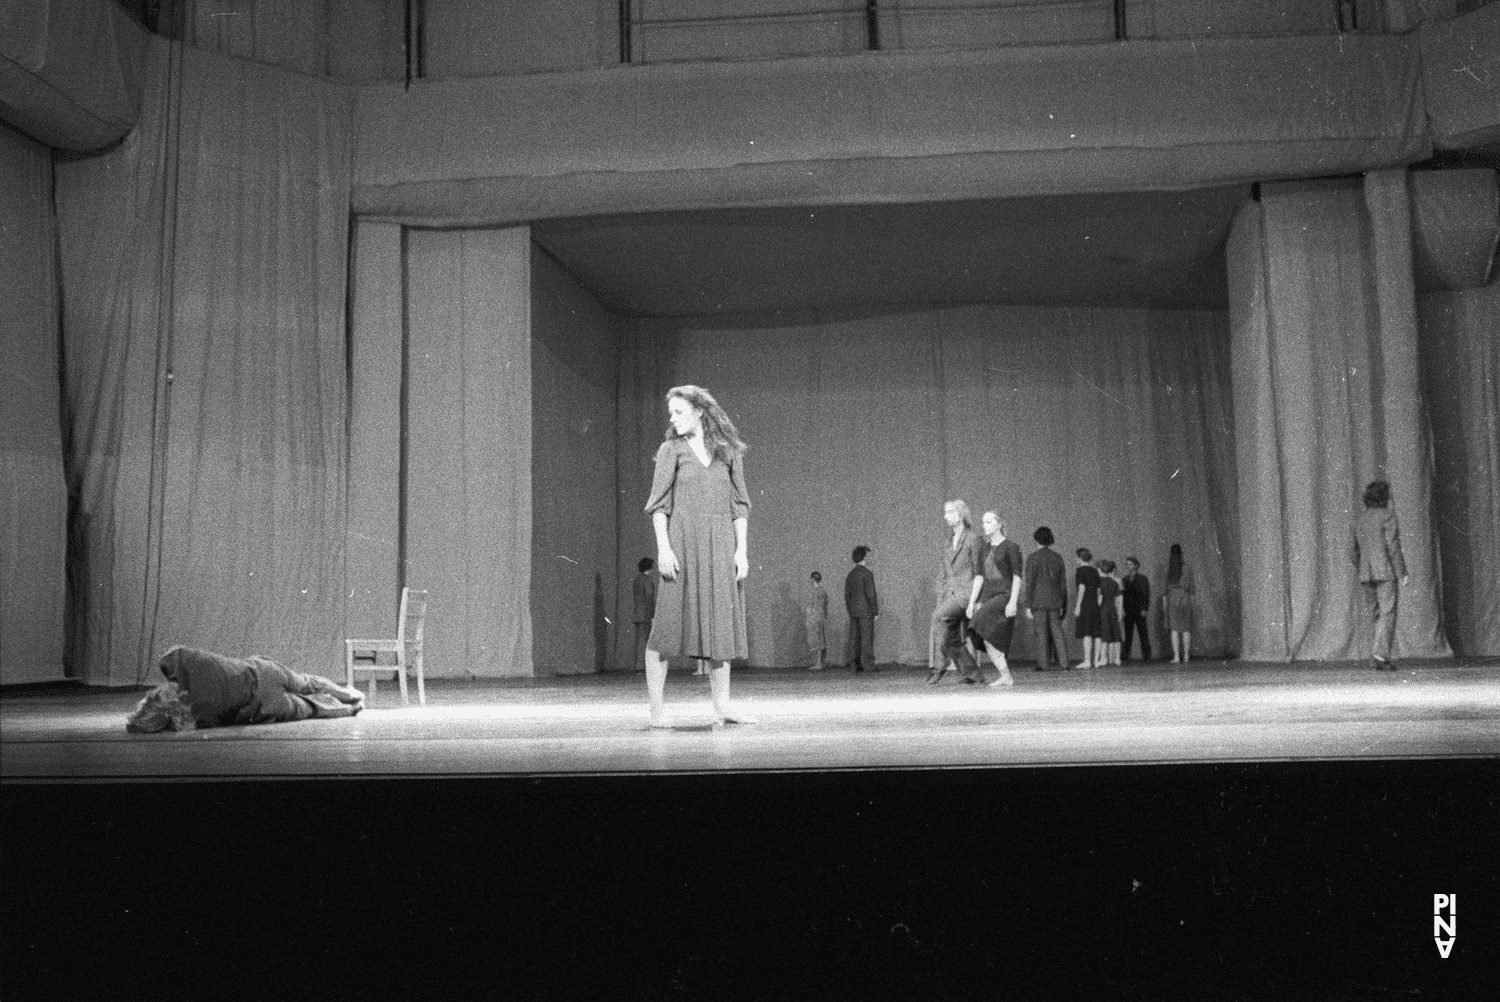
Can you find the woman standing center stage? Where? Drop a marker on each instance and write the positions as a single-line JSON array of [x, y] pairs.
[[700, 508]]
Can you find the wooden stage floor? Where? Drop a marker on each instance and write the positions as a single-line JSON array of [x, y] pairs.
[[1208, 711]]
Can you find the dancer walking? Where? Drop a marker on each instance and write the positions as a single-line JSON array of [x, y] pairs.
[[993, 616], [1376, 552]]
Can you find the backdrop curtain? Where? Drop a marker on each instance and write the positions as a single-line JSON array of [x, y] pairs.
[[1322, 312], [1114, 427], [466, 486], [204, 292], [33, 498], [1461, 374]]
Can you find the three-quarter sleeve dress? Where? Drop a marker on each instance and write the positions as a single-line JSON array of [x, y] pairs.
[[701, 613]]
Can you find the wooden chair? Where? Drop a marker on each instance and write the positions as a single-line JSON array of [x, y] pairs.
[[407, 647]]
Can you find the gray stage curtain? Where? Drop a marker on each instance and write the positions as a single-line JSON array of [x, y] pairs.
[[1322, 311], [1114, 427], [204, 287], [33, 498], [467, 488], [1461, 374]]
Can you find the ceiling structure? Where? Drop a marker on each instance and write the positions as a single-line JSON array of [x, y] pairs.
[[1162, 250]]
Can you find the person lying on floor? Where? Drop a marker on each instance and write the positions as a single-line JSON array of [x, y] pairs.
[[204, 689]]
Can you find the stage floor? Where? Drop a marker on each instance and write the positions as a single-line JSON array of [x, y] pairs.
[[1208, 711]]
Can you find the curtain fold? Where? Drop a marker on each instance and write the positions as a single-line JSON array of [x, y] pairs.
[[33, 495], [1461, 374], [204, 285], [1113, 427], [468, 465], [1327, 395]]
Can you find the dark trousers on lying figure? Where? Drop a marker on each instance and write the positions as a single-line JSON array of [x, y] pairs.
[[1133, 623]]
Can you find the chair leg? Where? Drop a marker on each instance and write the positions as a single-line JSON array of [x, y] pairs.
[[421, 680], [401, 677], [374, 684]]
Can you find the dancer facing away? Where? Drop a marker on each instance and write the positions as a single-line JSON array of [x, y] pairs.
[[1086, 609], [862, 602], [992, 616], [1137, 604], [961, 582], [1179, 605], [1376, 551], [700, 509], [1109, 612], [1047, 594], [815, 619]]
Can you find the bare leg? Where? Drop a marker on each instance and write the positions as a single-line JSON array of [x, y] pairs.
[[1088, 653], [998, 660], [1176, 647], [656, 688], [1187, 644], [718, 684]]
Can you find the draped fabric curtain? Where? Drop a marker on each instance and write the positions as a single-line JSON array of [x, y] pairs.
[[466, 489], [1322, 311], [1113, 427], [33, 498], [1461, 375], [204, 291]]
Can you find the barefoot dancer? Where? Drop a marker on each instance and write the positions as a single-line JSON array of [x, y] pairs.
[[699, 507]]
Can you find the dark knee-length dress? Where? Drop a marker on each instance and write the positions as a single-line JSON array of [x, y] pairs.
[[1109, 615], [1087, 624], [700, 614]]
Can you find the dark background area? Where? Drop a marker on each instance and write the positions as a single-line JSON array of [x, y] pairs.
[[1303, 880]]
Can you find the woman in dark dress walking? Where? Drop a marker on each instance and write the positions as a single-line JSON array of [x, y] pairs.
[[699, 507]]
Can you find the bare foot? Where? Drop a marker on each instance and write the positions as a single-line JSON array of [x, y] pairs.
[[734, 717], [1003, 680], [660, 721]]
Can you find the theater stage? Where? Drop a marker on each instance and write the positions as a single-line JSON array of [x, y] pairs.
[[1208, 711]]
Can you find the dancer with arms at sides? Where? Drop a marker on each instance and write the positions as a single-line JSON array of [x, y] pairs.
[[992, 615], [815, 620], [1047, 593], [700, 509], [862, 602], [960, 584], [1375, 549], [1109, 613], [1179, 605], [1086, 625]]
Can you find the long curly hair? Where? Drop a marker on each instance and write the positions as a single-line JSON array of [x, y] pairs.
[[719, 433], [164, 708]]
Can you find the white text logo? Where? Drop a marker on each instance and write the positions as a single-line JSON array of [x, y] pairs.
[[1444, 927]]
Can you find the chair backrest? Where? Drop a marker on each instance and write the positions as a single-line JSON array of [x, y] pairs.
[[413, 616]]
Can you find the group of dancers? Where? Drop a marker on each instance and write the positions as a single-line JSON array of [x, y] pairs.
[[980, 597], [699, 508]]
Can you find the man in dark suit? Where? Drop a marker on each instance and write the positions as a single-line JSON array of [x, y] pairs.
[[1375, 550], [1136, 592], [643, 609], [1047, 597], [863, 606]]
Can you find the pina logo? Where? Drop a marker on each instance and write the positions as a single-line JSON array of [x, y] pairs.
[[1441, 926]]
